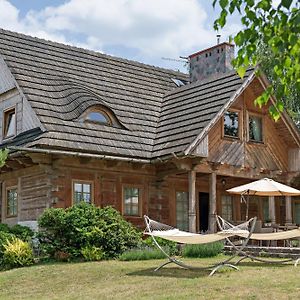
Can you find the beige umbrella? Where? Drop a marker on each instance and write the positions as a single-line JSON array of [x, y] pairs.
[[264, 187]]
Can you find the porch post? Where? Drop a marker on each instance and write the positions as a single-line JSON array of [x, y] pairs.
[[272, 209], [288, 209], [212, 202], [192, 201]]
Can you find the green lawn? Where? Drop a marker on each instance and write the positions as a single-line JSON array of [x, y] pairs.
[[136, 280]]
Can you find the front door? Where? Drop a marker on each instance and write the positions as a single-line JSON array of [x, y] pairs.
[[203, 211]]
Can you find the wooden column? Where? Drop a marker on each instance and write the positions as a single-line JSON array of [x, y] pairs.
[[288, 209], [192, 201], [272, 209], [212, 202]]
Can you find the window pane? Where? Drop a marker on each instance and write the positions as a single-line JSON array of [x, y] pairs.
[[97, 117], [12, 201], [231, 124], [255, 128], [82, 192], [297, 213], [182, 208], [86, 188], [10, 123], [227, 211], [131, 201], [78, 187]]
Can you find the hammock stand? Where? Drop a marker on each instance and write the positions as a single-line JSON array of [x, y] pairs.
[[225, 233], [268, 237]]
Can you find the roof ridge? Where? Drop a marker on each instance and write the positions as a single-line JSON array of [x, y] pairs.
[[92, 52]]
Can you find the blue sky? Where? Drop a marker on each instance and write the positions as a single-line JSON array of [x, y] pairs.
[[142, 30]]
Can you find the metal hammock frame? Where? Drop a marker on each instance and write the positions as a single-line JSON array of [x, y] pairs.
[[223, 225], [244, 255]]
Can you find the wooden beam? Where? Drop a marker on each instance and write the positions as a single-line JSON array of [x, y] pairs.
[[212, 202], [192, 201], [272, 209]]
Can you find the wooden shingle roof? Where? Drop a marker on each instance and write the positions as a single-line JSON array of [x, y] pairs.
[[157, 117]]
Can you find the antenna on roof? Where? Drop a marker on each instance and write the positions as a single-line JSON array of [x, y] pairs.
[[218, 38]]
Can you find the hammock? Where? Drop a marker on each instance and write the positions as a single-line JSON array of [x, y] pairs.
[[157, 229], [170, 233], [282, 235]]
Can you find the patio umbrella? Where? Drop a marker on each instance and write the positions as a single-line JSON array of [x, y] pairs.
[[263, 187]]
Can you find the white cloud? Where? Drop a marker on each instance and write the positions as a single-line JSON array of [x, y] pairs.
[[151, 28]]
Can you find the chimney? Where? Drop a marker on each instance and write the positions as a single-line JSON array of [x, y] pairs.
[[211, 61]]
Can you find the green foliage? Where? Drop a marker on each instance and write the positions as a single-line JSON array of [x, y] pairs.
[[279, 29], [22, 232], [169, 246], [141, 254], [201, 251], [4, 237], [92, 253], [3, 157], [85, 225], [17, 253]]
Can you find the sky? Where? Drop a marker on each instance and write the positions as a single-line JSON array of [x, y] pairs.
[[143, 30]]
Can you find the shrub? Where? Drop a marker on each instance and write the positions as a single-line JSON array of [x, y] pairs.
[[4, 228], [4, 237], [85, 225], [141, 254], [22, 232], [17, 253], [169, 246], [203, 250], [92, 253]]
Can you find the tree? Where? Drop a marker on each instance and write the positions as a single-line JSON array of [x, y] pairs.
[[279, 29]]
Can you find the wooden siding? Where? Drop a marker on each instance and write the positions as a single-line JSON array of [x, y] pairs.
[[270, 155], [34, 193]]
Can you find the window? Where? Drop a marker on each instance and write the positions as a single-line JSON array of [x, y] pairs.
[[231, 124], [131, 201], [227, 211], [9, 126], [82, 191], [265, 208], [98, 117], [255, 128], [182, 211], [11, 202], [297, 213]]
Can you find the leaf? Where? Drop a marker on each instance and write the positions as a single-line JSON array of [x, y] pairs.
[[286, 3], [241, 71], [223, 3]]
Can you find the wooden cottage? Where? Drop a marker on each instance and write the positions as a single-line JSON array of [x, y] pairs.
[[82, 125]]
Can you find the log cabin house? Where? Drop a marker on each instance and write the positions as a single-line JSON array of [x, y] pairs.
[[82, 125]]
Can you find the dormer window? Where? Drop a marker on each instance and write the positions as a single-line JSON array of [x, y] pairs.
[[97, 116], [231, 124], [9, 125]]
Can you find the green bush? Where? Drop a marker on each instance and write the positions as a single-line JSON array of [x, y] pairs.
[[141, 254], [92, 253], [85, 225], [22, 232], [169, 246], [4, 228], [4, 238], [17, 253], [203, 250]]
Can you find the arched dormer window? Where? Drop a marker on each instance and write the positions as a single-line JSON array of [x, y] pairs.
[[98, 117]]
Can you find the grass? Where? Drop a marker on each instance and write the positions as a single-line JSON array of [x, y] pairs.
[[136, 280]]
